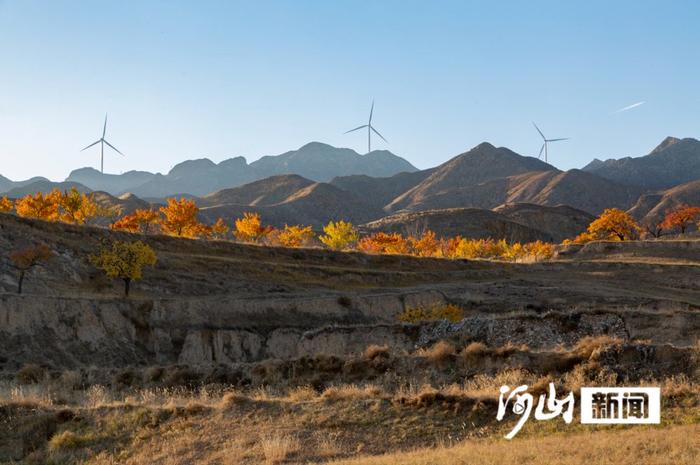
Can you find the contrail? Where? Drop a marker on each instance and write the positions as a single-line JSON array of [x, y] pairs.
[[629, 107]]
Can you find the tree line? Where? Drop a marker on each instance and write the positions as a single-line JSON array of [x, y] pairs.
[[125, 260]]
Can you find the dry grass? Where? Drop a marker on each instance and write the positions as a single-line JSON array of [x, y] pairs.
[[373, 351], [352, 391], [634, 446], [439, 352], [278, 447]]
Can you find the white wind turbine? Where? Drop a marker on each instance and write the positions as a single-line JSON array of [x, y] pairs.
[[102, 141], [545, 146], [370, 129]]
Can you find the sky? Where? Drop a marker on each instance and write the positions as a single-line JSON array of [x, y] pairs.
[[184, 80]]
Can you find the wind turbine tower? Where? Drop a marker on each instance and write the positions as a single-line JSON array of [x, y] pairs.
[[102, 141], [370, 129], [545, 146]]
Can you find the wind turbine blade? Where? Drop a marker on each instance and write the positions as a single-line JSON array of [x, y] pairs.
[[541, 150], [538, 130], [371, 110], [94, 143], [104, 129], [377, 133], [359, 127], [114, 148], [554, 140]]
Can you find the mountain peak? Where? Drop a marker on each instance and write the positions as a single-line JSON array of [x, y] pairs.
[[666, 143]]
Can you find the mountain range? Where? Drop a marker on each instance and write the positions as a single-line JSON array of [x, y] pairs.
[[486, 191], [314, 161]]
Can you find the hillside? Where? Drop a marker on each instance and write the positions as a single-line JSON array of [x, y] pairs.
[[43, 185], [559, 222], [454, 183], [674, 161], [315, 161], [289, 199], [7, 184], [654, 206], [380, 191], [466, 222], [487, 177]]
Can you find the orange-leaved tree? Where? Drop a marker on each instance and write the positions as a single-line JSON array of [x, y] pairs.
[[681, 217], [6, 205], [250, 228], [180, 218], [295, 236], [384, 243], [219, 230], [40, 206], [27, 258], [614, 223], [426, 245], [339, 235], [142, 220], [76, 207]]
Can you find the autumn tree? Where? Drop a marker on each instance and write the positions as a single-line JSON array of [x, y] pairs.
[[27, 258], [339, 235], [180, 218], [295, 236], [681, 217], [6, 205], [384, 243], [614, 224], [40, 206], [426, 245], [76, 207], [219, 230], [124, 260], [250, 228], [142, 221]]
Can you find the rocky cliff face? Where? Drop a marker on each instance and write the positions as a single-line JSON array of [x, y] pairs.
[[65, 333]]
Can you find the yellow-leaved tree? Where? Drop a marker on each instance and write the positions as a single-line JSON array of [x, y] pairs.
[[27, 258], [180, 218], [250, 228], [6, 205], [124, 260], [339, 235], [76, 207], [614, 224], [295, 236], [40, 206]]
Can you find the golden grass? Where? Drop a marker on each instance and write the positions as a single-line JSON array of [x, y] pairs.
[[278, 447], [679, 445], [439, 352]]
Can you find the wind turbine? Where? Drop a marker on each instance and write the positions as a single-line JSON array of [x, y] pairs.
[[370, 128], [546, 143], [102, 143]]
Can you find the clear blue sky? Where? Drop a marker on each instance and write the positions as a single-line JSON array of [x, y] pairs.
[[184, 80]]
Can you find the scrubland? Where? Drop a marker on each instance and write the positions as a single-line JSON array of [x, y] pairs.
[[428, 406]]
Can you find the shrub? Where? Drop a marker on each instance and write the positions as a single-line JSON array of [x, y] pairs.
[[373, 351], [439, 352], [30, 374], [278, 447], [432, 312]]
